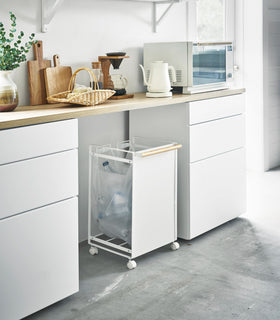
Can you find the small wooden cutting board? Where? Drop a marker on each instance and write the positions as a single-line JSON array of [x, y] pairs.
[[36, 79], [57, 78]]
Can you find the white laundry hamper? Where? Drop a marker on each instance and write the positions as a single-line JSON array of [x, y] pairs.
[[133, 197]]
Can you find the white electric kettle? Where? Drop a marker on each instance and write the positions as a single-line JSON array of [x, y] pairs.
[[159, 82]]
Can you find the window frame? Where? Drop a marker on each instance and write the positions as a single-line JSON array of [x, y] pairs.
[[234, 31]]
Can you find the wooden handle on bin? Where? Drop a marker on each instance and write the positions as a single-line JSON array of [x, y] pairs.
[[151, 153]]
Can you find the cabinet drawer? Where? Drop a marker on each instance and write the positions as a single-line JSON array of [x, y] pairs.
[[206, 110], [39, 258], [217, 191], [214, 137], [29, 184], [36, 140]]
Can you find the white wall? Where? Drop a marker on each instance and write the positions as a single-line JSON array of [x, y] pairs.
[[253, 82], [82, 30], [262, 82], [271, 11], [79, 32]]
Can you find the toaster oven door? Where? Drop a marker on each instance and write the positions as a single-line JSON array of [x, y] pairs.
[[210, 63]]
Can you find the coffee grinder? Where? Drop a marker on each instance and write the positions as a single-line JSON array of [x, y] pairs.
[[118, 83]]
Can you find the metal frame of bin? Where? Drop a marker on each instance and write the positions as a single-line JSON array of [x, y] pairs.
[[154, 200]]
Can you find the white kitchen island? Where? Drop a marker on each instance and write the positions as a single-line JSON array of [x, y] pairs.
[[39, 188]]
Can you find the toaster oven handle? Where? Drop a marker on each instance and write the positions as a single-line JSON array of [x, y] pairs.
[[212, 43]]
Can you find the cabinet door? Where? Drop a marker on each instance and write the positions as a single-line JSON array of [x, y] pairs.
[[29, 184], [154, 207], [211, 138], [37, 140], [211, 109], [39, 258], [217, 191]]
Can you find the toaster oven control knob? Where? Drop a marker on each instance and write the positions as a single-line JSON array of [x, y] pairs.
[[229, 75]]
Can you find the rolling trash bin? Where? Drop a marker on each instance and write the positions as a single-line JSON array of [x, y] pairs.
[[132, 197]]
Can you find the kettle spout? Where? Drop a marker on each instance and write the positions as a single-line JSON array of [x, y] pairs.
[[144, 75]]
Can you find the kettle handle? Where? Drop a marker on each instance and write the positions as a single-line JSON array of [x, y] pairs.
[[173, 73], [144, 75]]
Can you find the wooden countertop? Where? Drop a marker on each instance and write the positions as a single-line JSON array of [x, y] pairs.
[[28, 115]]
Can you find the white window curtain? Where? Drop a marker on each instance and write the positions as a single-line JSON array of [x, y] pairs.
[[211, 20]]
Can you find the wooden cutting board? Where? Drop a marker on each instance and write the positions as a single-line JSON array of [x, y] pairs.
[[57, 78], [36, 79], [124, 96]]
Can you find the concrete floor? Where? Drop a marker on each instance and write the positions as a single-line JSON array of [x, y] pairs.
[[231, 272]]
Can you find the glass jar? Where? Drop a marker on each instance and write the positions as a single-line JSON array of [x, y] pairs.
[[96, 68], [8, 92]]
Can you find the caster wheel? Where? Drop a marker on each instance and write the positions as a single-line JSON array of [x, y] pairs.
[[131, 264], [93, 251], [174, 246]]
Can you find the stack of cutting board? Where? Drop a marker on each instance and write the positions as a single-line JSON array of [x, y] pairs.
[[45, 80]]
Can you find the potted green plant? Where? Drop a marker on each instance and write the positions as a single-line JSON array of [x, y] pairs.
[[12, 53]]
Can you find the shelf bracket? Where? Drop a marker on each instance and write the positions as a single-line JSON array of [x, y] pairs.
[[157, 21], [49, 8]]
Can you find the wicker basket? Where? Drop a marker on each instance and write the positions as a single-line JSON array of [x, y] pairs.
[[91, 98]]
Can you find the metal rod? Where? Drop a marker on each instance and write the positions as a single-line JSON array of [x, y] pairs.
[[111, 250], [116, 246], [89, 193], [100, 234], [122, 244], [104, 156], [154, 13]]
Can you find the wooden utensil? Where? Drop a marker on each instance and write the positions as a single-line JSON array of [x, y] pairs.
[[36, 79], [57, 78]]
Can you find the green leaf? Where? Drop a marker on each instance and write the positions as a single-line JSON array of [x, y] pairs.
[[11, 57]]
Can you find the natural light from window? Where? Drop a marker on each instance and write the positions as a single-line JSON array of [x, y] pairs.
[[210, 20]]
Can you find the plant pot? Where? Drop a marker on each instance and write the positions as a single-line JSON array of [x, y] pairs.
[[8, 92]]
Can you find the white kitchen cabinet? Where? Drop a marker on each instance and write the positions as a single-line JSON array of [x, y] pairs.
[[211, 164], [213, 109], [217, 191], [211, 138], [37, 140], [39, 258], [38, 216], [29, 184]]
